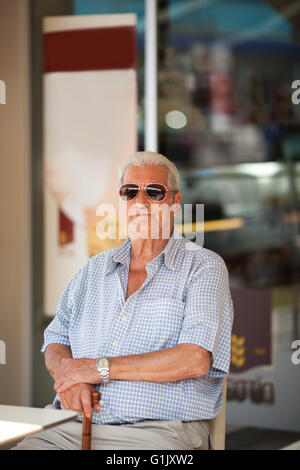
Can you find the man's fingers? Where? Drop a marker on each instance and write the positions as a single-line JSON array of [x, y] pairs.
[[71, 401], [86, 402], [97, 407], [78, 398], [60, 388], [77, 405]]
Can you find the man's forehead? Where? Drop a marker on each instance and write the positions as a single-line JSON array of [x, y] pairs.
[[156, 173]]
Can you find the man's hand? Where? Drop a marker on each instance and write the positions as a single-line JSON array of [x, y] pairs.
[[78, 398], [75, 371]]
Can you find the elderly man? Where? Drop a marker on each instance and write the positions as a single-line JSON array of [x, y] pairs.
[[147, 324]]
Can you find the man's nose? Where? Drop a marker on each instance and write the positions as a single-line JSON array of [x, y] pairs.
[[142, 198]]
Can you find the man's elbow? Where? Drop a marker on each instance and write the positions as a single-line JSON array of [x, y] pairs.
[[196, 360], [202, 364]]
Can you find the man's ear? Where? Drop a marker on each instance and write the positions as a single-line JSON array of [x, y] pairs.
[[176, 203], [176, 199]]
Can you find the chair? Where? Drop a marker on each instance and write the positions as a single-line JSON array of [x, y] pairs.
[[217, 426]]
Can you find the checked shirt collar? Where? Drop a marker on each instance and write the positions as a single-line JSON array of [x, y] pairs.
[[171, 253]]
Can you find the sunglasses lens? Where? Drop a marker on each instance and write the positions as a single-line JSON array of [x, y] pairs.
[[128, 192], [156, 192]]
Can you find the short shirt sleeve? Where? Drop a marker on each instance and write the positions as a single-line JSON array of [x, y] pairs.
[[58, 330], [209, 316]]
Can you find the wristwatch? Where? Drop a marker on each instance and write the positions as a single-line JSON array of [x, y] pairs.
[[103, 366]]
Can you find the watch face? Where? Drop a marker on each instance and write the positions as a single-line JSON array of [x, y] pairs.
[[103, 363]]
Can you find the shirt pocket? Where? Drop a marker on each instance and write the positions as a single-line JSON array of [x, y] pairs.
[[162, 319]]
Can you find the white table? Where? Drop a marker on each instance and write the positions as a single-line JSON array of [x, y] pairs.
[[17, 422]]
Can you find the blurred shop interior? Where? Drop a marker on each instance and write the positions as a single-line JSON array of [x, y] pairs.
[[227, 120]]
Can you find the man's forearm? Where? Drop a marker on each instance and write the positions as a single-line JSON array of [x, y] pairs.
[[54, 353], [181, 362], [178, 363]]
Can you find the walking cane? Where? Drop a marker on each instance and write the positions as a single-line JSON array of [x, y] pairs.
[[87, 424]]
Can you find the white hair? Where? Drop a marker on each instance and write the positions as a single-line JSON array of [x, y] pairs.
[[151, 158]]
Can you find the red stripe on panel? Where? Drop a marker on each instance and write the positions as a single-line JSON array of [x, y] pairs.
[[66, 229], [90, 49]]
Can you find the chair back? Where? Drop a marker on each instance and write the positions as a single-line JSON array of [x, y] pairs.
[[217, 426]]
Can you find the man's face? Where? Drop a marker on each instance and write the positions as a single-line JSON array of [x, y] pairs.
[[146, 218]]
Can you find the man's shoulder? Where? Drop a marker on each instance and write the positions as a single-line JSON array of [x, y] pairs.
[[99, 261], [94, 263], [199, 257], [102, 256]]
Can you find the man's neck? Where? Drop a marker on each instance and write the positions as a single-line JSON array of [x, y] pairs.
[[145, 249]]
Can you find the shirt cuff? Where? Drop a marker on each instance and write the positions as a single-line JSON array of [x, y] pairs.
[[54, 341], [204, 335]]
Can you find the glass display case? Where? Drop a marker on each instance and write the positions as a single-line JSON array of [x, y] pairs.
[[250, 219]]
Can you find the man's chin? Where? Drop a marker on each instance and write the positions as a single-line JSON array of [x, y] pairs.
[[142, 233]]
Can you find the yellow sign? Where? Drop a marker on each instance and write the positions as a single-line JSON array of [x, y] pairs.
[[238, 350]]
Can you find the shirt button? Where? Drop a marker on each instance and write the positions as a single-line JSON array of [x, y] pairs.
[[124, 317], [115, 343]]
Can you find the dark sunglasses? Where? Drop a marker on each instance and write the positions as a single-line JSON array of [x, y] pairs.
[[156, 192]]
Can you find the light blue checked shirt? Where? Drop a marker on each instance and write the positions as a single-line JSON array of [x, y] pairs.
[[185, 299]]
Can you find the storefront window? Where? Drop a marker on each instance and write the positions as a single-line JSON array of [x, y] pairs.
[[227, 119]]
